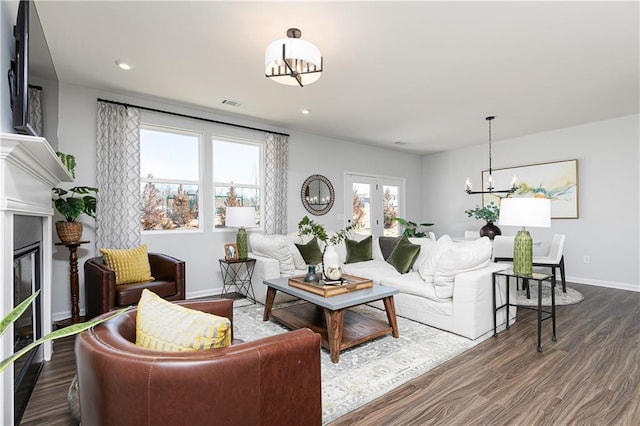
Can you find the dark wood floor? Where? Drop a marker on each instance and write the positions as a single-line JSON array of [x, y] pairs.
[[590, 376]]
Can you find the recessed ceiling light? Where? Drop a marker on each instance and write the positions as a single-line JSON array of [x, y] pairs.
[[305, 111], [124, 65]]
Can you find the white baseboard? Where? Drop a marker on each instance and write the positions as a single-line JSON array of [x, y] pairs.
[[608, 284]]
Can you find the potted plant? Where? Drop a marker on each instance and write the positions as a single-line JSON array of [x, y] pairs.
[[330, 259], [490, 214], [71, 203], [411, 228]]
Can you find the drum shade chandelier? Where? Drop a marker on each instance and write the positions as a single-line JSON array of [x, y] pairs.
[[490, 189], [293, 61]]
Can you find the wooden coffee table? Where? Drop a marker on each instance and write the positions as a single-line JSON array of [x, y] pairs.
[[330, 317]]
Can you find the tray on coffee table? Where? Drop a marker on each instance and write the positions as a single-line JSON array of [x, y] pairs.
[[351, 283]]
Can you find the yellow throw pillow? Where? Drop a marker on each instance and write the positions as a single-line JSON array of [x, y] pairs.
[[165, 326], [130, 265]]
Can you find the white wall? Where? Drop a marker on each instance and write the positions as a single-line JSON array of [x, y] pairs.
[[607, 229], [308, 154]]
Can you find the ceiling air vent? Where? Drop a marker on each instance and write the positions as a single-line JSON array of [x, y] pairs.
[[231, 103]]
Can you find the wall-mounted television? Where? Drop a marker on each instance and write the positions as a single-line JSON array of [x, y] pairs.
[[32, 70]]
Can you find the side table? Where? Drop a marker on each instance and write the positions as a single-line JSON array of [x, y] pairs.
[[73, 283], [238, 274], [540, 278]]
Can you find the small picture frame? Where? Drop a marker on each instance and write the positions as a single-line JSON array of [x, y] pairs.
[[231, 251]]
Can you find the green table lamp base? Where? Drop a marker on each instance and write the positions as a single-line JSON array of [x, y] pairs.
[[241, 241], [522, 254]]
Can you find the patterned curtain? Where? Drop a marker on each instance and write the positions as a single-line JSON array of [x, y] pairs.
[[34, 109], [275, 185], [118, 177]]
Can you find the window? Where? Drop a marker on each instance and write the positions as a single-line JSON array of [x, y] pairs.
[[237, 176], [169, 179], [372, 203]]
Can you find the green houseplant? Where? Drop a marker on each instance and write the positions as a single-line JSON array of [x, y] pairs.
[[490, 213], [71, 203], [57, 334], [411, 228]]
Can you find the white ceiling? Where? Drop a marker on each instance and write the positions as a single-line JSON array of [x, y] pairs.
[[424, 73]]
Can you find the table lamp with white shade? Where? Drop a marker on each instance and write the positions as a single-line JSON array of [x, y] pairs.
[[241, 218], [531, 212]]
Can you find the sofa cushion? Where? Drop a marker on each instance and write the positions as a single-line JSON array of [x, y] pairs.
[[310, 252], [403, 255], [375, 270], [387, 244], [447, 259], [167, 327], [411, 283], [130, 265], [426, 245], [359, 251], [278, 247]]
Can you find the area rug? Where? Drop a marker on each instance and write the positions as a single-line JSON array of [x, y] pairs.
[[372, 369], [571, 297]]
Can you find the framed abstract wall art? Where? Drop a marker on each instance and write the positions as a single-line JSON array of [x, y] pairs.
[[557, 181]]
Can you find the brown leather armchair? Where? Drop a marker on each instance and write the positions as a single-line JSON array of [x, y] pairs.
[[271, 381], [102, 295]]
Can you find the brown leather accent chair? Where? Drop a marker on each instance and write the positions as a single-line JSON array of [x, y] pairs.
[[102, 295], [270, 381]]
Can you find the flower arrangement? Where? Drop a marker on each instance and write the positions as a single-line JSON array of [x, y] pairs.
[[489, 213]]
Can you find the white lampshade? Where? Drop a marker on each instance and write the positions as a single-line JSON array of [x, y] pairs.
[[240, 217], [531, 212], [304, 55]]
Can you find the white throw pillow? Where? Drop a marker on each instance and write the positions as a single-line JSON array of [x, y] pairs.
[[463, 257], [426, 246], [427, 268], [276, 247], [447, 259]]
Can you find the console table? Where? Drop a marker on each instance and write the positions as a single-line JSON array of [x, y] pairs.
[[73, 283]]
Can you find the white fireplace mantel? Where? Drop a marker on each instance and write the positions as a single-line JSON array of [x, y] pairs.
[[29, 168]]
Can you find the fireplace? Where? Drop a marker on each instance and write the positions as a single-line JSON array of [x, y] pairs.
[[28, 170], [27, 238]]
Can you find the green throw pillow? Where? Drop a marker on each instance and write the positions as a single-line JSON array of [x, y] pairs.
[[359, 251], [310, 252], [403, 255]]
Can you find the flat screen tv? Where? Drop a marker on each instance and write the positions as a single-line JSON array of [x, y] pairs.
[[32, 69]]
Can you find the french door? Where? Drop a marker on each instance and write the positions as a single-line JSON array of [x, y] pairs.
[[372, 202]]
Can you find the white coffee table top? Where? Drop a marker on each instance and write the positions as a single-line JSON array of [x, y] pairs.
[[341, 301]]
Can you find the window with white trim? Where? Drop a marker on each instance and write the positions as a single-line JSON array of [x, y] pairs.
[[238, 168], [170, 178]]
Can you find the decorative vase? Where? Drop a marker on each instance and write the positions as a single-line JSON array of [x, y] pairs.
[[523, 254], [241, 242], [490, 230], [330, 259], [334, 273], [69, 232], [311, 276]]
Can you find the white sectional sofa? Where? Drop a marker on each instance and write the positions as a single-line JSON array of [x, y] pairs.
[[448, 286]]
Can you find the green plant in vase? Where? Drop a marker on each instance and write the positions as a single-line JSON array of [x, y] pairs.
[[490, 213], [330, 260]]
